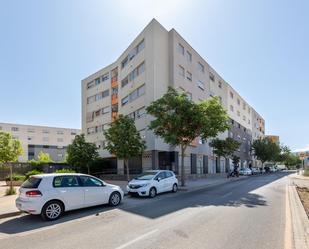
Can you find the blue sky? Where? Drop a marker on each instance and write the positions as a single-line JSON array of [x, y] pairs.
[[260, 47]]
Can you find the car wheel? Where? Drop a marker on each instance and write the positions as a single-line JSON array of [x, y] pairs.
[[152, 192], [175, 188], [52, 210], [114, 199]]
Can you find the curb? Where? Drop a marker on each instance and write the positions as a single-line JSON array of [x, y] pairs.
[[7, 215], [300, 222]]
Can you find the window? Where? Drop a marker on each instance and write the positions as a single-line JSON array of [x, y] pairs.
[[31, 130], [14, 129], [181, 49], [211, 76], [244, 118], [133, 53], [231, 108], [189, 76], [59, 132], [105, 93], [189, 96], [200, 67], [91, 99], [141, 46], [73, 133], [125, 100], [97, 81], [249, 110], [133, 95], [238, 101], [45, 139], [200, 84], [124, 82], [238, 113], [181, 71], [105, 110], [91, 130], [249, 121], [105, 76], [140, 112], [244, 106], [231, 95], [59, 139], [131, 76], [189, 56], [220, 84], [65, 182], [97, 113], [30, 138], [60, 155], [88, 181], [90, 84]]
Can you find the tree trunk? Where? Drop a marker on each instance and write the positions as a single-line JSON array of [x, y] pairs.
[[182, 175], [11, 177], [126, 162], [88, 168]]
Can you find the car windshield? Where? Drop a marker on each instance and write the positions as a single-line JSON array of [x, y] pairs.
[[146, 176]]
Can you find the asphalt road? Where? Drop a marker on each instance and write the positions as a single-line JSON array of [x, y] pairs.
[[247, 214]]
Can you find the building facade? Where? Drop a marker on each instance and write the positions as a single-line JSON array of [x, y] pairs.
[[34, 139], [155, 60]]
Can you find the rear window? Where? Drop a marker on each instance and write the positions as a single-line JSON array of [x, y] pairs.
[[32, 182]]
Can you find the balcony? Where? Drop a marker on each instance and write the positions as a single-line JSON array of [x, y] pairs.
[[114, 99], [114, 82]]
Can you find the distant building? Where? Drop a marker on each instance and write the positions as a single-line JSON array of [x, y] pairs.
[[273, 138], [51, 140]]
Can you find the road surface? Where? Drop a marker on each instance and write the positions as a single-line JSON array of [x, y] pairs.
[[245, 214]]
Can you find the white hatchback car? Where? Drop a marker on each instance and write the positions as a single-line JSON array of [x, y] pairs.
[[51, 194], [153, 182]]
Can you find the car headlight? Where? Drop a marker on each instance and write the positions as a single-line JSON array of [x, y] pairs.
[[145, 185]]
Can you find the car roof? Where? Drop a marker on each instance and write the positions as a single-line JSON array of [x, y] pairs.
[[157, 170], [57, 174]]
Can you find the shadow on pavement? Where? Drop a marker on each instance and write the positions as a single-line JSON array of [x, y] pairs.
[[231, 194]]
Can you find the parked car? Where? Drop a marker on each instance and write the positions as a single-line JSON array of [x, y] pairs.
[[51, 194], [153, 182], [245, 171], [255, 171]]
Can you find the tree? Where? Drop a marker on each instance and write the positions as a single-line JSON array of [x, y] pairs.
[[235, 160], [44, 157], [81, 153], [266, 150], [224, 148], [179, 120], [10, 150], [124, 141]]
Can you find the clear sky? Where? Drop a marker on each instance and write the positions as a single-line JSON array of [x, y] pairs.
[[260, 47]]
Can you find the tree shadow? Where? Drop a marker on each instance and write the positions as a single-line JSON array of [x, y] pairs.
[[232, 194]]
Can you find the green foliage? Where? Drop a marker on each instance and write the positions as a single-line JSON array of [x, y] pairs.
[[306, 172], [81, 154], [15, 177], [266, 150], [35, 165], [10, 191], [32, 172], [44, 157], [10, 149], [65, 171], [235, 160], [224, 148], [123, 139], [179, 120]]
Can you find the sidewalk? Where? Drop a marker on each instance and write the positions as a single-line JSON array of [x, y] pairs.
[[7, 203]]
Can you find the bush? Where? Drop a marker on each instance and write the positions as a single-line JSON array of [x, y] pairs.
[[32, 172], [306, 172], [65, 171], [10, 191], [15, 177], [35, 165]]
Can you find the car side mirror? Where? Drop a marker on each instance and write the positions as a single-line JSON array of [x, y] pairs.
[[159, 179]]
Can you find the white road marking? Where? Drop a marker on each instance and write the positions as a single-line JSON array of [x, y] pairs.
[[136, 239]]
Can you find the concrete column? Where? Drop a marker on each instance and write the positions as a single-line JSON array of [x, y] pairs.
[[120, 167], [155, 159]]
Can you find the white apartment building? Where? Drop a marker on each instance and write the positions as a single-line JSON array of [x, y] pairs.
[[51, 140], [155, 60]]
